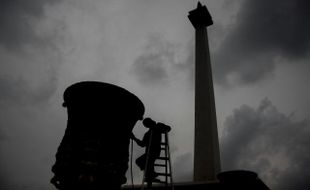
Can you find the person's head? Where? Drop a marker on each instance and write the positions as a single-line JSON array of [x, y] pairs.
[[149, 123]]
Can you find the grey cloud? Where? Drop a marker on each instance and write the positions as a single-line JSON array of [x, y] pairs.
[[152, 65], [263, 30], [10, 90], [254, 138], [183, 168], [151, 68], [19, 91], [16, 20], [187, 66], [158, 61]]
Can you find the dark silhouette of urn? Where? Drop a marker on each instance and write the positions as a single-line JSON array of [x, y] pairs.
[[93, 153]]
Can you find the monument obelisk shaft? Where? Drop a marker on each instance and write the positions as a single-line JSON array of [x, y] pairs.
[[206, 153]]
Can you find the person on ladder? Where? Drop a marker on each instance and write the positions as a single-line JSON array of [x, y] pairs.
[[152, 143]]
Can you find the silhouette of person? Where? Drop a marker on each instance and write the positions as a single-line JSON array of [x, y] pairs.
[[152, 143]]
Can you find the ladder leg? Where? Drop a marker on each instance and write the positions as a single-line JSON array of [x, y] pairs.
[[170, 168], [166, 161], [149, 183]]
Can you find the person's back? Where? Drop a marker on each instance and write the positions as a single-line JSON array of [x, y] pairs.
[[155, 149]]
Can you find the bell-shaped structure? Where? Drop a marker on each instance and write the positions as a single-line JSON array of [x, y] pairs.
[[94, 150]]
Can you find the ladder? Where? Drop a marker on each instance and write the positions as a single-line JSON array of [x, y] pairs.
[[163, 162]]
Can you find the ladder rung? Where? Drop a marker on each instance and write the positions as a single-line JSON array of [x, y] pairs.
[[164, 174], [162, 182], [160, 165], [162, 158]]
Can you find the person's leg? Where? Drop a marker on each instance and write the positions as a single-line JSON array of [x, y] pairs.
[[150, 171]]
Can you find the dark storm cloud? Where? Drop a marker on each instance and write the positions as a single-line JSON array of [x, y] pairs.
[[263, 31], [255, 137], [3, 135], [3, 183], [16, 21]]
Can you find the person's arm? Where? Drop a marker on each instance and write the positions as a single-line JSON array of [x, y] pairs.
[[138, 141]]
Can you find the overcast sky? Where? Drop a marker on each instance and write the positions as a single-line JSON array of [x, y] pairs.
[[260, 54]]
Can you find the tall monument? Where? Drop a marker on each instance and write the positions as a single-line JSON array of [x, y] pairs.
[[206, 153]]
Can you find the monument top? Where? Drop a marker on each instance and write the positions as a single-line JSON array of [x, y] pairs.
[[200, 17]]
